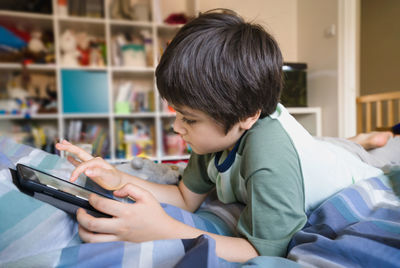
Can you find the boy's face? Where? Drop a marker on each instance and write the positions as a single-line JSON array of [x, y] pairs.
[[202, 133]]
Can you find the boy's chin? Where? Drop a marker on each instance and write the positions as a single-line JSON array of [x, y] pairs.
[[196, 151], [202, 152]]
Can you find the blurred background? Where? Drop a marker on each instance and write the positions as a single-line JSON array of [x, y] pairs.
[[84, 69]]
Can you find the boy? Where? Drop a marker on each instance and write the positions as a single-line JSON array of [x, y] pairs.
[[223, 77]]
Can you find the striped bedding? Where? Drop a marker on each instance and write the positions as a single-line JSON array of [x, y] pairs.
[[358, 227]]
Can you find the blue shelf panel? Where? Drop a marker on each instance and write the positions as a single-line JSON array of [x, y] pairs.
[[84, 91]]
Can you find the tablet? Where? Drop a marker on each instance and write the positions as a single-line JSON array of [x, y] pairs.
[[51, 188]]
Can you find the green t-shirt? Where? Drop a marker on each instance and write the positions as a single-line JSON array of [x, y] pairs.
[[265, 175]]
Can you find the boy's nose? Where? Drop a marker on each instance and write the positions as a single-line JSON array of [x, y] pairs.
[[178, 128]]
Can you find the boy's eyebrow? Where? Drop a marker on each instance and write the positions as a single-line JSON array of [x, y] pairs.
[[186, 113]]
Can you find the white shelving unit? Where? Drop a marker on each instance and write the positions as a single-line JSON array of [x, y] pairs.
[[104, 27], [309, 117]]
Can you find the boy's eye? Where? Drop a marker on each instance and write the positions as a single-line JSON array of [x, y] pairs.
[[188, 121]]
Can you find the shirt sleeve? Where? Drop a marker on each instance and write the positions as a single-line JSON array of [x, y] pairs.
[[274, 211], [195, 176]]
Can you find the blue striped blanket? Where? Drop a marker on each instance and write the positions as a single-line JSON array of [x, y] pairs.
[[360, 226]]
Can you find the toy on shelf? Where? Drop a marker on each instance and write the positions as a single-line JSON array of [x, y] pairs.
[[20, 45], [173, 143], [82, 49], [42, 136], [133, 49], [133, 55], [95, 56], [36, 44], [83, 42], [176, 18], [155, 172], [69, 49], [28, 94], [138, 10]]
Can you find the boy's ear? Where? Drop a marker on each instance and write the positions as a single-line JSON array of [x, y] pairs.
[[249, 121]]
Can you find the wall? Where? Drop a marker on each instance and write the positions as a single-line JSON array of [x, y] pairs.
[[278, 17], [380, 46], [320, 51]]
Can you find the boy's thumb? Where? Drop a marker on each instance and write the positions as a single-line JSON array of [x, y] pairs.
[[135, 192]]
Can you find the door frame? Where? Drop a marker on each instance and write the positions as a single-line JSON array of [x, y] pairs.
[[348, 65]]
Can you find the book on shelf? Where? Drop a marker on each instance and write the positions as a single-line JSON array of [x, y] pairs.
[[87, 8], [134, 138], [134, 96], [38, 136], [96, 134]]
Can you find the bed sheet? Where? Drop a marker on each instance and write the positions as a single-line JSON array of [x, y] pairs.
[[358, 227], [35, 234]]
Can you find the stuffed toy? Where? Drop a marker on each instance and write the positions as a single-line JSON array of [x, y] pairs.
[[155, 172], [69, 49], [83, 40], [36, 45]]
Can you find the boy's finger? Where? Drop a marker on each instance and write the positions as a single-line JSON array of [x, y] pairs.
[[83, 166], [103, 177], [79, 152], [107, 206], [90, 237], [135, 192], [98, 225], [73, 161]]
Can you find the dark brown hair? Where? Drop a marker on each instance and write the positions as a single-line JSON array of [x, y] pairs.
[[223, 66]]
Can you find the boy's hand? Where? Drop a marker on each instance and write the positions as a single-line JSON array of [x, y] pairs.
[[142, 221], [95, 168]]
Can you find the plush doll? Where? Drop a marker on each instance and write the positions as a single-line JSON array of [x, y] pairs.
[[155, 172], [35, 44], [83, 40], [95, 56], [69, 49]]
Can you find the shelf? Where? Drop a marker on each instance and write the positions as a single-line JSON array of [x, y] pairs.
[[25, 15], [102, 29], [131, 23], [303, 110], [84, 68], [309, 117], [126, 69], [86, 116], [25, 117], [105, 29], [135, 115], [36, 67], [167, 114], [26, 20], [80, 19], [165, 26]]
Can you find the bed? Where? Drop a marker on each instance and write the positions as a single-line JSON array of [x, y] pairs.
[[357, 227], [378, 111]]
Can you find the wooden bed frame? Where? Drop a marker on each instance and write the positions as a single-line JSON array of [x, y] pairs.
[[378, 111]]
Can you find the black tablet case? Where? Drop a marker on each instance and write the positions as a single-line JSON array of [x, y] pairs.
[[58, 203]]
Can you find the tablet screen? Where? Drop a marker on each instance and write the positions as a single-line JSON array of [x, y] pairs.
[[68, 187], [62, 185]]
